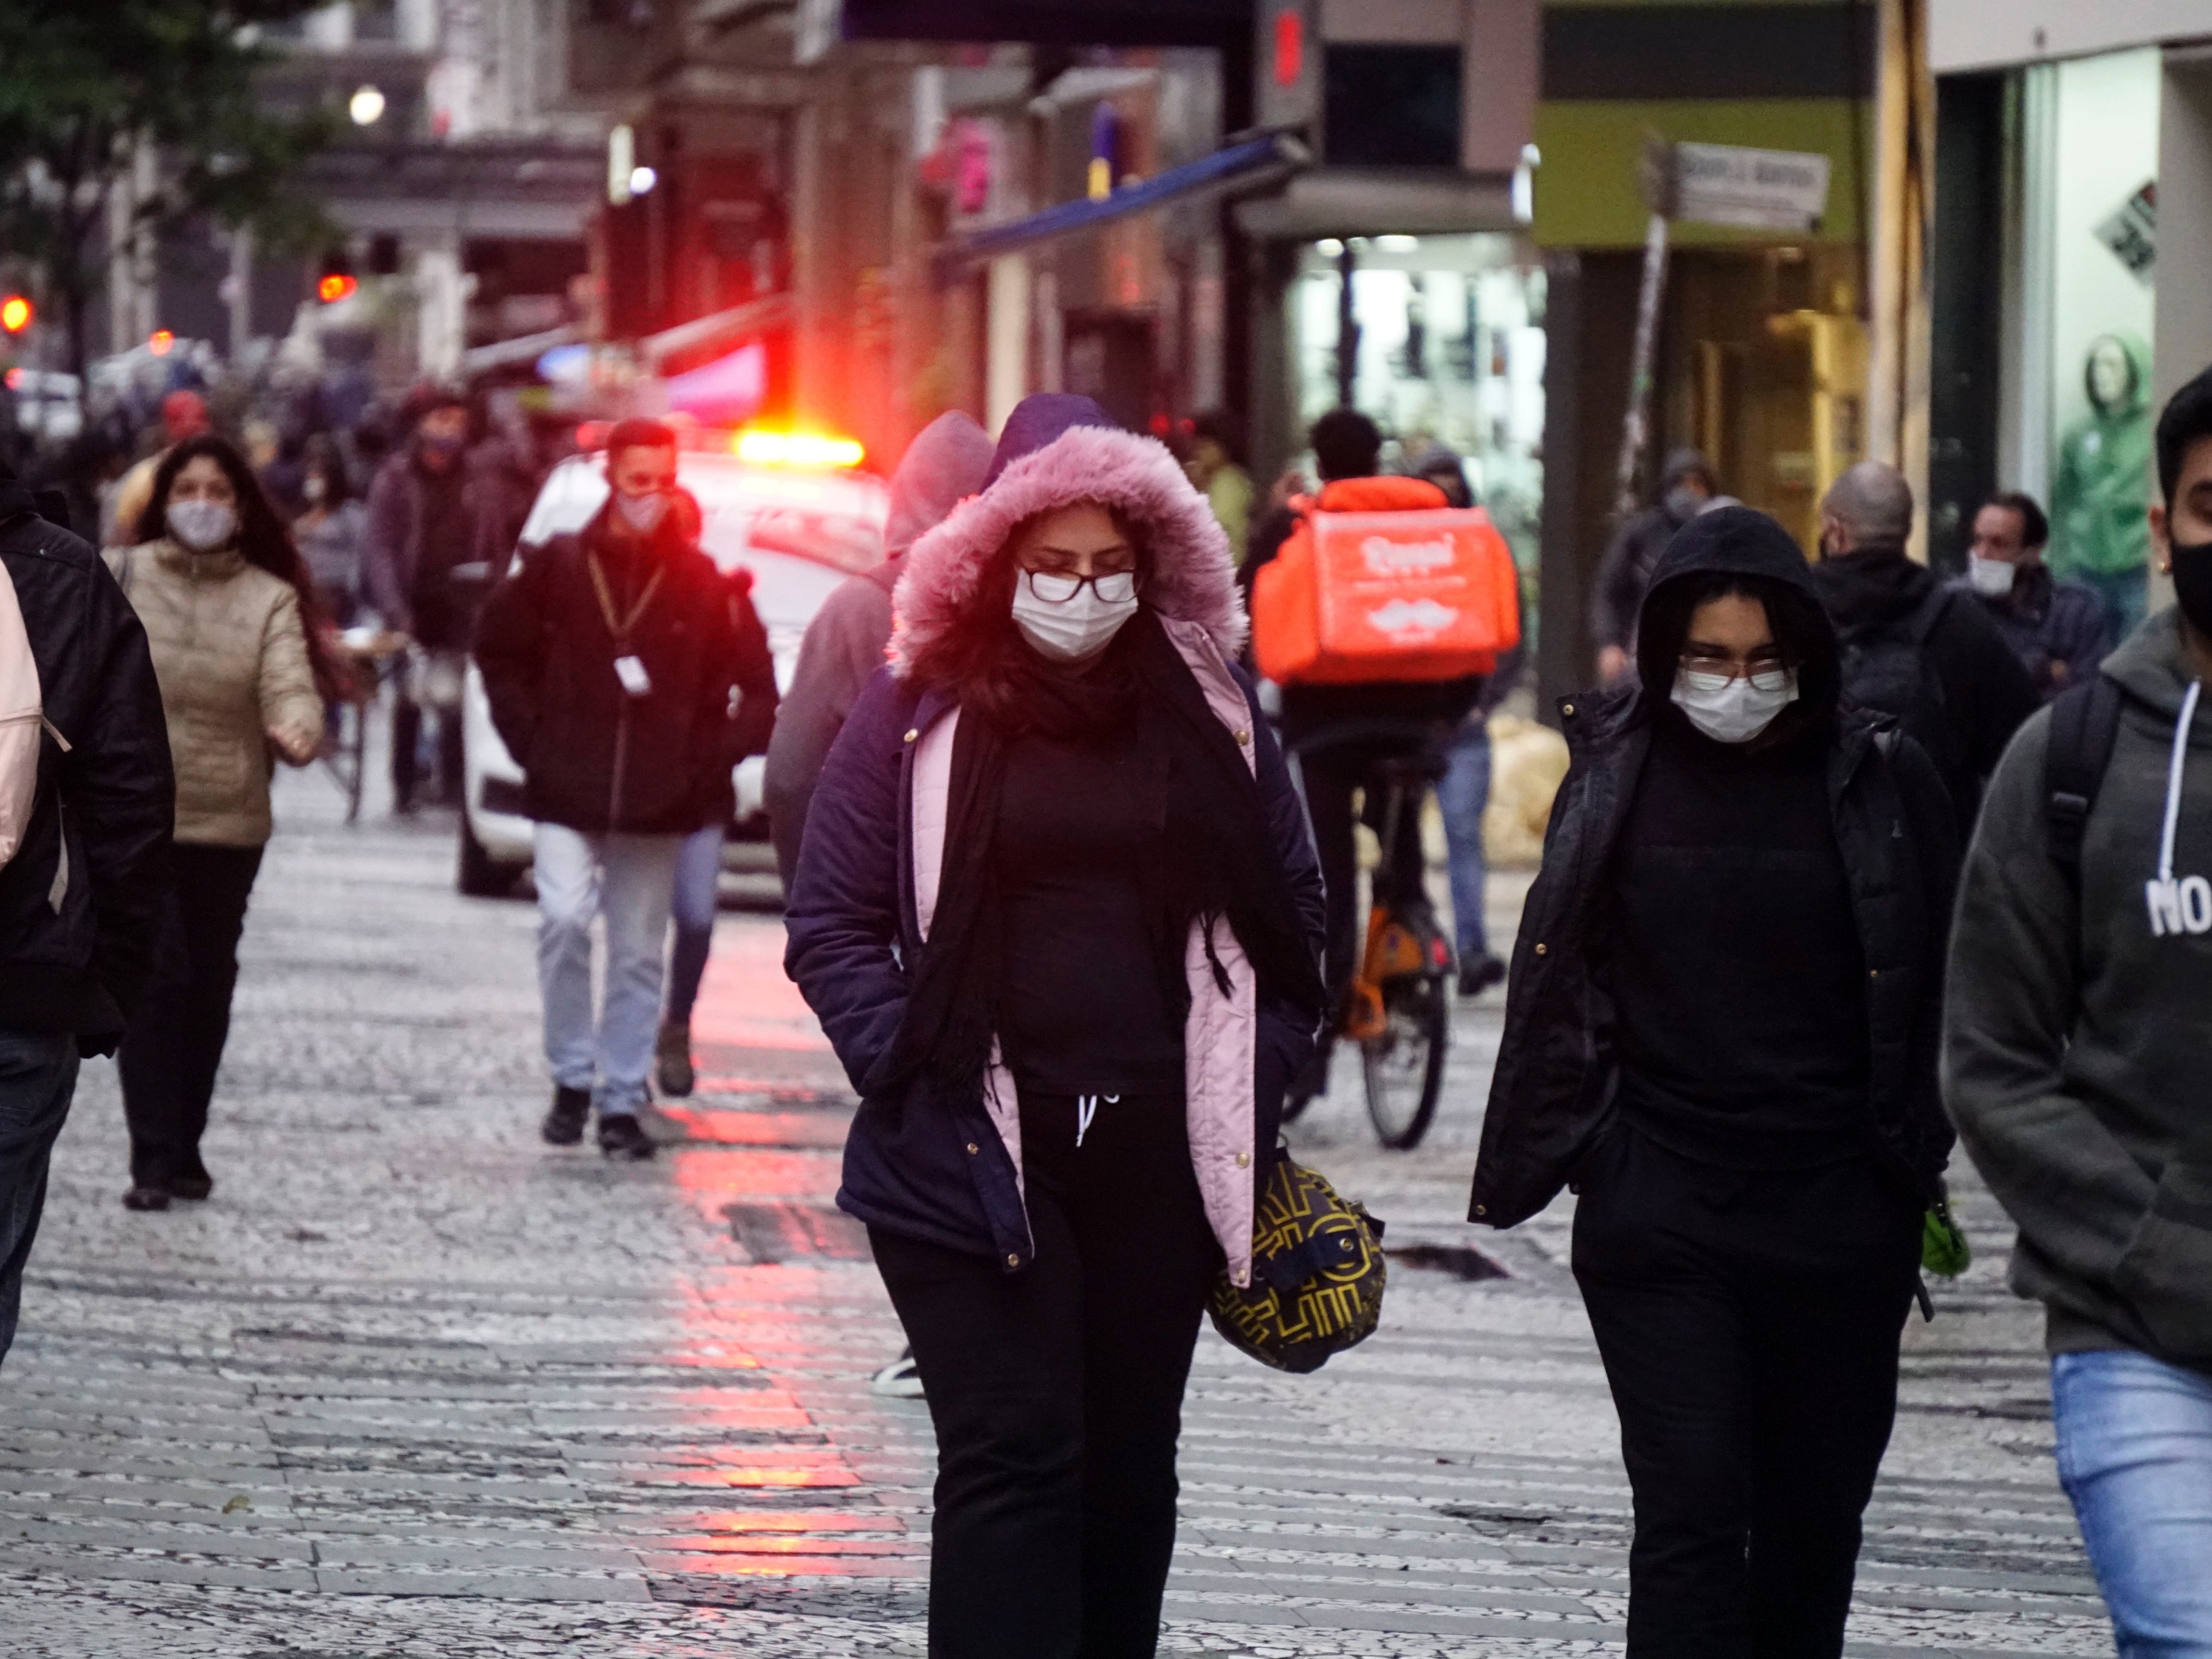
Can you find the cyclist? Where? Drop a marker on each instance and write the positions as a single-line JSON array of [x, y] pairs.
[[1341, 733]]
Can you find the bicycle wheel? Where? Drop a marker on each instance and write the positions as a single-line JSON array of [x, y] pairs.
[[1405, 1065]]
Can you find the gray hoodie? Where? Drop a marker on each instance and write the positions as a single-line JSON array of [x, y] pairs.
[[845, 642], [2077, 1053]]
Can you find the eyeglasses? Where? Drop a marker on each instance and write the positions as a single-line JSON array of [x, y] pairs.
[[1765, 670], [1059, 587]]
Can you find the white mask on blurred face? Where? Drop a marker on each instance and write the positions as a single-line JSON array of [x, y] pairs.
[[1992, 578], [1734, 709], [1069, 618], [201, 526], [643, 514]]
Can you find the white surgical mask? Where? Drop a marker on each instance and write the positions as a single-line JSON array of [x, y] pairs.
[[1992, 577], [1069, 618], [202, 525], [1734, 709], [643, 513]]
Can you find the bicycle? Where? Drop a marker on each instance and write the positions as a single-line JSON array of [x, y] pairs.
[[1398, 1008]]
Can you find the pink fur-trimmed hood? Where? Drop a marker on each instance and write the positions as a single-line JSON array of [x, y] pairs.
[[1193, 579]]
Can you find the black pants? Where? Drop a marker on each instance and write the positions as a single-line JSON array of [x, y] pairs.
[[1749, 1324], [1057, 1391], [1330, 776], [406, 739], [170, 1054]]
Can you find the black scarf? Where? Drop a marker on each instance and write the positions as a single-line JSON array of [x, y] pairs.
[[1217, 863]]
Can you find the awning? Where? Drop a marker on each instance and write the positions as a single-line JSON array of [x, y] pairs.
[[1383, 201], [718, 329], [509, 354], [1255, 164]]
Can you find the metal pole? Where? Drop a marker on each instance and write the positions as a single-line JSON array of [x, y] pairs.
[[1347, 329], [1634, 427]]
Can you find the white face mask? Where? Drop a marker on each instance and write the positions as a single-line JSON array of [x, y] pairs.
[[643, 513], [1067, 619], [201, 526], [1991, 577], [1733, 710]]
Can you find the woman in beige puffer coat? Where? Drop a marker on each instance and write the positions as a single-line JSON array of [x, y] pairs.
[[226, 601]]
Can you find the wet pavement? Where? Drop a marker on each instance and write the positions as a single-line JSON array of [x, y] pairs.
[[414, 1384]]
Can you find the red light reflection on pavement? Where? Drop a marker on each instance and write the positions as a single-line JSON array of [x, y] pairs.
[[761, 1487]]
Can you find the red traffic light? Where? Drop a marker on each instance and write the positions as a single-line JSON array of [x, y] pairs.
[[15, 313], [335, 286]]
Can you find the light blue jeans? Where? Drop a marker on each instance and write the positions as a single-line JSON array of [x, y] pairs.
[[698, 881], [629, 879], [2134, 1454], [1462, 794]]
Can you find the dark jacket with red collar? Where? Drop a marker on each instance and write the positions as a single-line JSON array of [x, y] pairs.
[[595, 757]]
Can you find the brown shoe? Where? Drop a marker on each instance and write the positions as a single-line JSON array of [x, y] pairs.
[[146, 1198], [672, 1060]]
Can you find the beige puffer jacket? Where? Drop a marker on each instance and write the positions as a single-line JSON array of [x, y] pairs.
[[231, 654]]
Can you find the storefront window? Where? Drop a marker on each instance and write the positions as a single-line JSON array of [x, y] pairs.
[[2100, 220], [1449, 350]]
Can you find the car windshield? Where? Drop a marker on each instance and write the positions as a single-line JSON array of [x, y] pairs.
[[832, 519]]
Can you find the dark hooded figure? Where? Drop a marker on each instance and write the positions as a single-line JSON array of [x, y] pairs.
[[1058, 910], [1721, 1028], [1686, 482]]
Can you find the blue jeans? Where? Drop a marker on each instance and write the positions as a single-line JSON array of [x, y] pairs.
[[1461, 795], [698, 880], [2134, 1454], [37, 1077], [630, 878]]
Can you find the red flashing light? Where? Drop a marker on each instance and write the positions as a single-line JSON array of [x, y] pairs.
[[592, 434], [762, 447], [1290, 47], [335, 286], [15, 313], [14, 379], [161, 342]]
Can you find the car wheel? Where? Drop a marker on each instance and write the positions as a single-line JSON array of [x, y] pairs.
[[476, 872]]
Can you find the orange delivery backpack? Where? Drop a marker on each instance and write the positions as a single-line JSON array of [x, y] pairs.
[[1381, 581]]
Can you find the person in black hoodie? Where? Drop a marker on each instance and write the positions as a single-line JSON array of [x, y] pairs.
[[613, 667], [80, 898], [1913, 647], [1721, 1025]]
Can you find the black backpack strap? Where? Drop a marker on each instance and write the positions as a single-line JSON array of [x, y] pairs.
[[2085, 723], [1931, 612]]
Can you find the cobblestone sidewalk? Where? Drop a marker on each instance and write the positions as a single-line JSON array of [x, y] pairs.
[[412, 1383]]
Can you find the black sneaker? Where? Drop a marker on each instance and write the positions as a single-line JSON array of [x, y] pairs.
[[621, 1135], [1476, 977], [564, 1123]]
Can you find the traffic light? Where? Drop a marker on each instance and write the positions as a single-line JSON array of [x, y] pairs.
[[334, 279], [17, 314]]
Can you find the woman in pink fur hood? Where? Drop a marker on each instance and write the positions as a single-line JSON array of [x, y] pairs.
[[1058, 910]]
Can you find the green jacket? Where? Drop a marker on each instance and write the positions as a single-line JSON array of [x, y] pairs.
[[2078, 1033], [2103, 486]]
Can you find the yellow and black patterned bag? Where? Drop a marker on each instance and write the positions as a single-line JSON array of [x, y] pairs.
[[1317, 1275]]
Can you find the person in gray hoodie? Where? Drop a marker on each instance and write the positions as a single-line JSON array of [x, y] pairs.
[[844, 644], [2077, 1065]]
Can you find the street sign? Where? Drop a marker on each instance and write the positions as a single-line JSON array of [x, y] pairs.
[[1754, 189]]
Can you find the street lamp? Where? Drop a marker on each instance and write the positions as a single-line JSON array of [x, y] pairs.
[[366, 107], [642, 180], [16, 314]]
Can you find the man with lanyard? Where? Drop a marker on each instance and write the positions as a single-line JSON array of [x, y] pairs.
[[611, 660]]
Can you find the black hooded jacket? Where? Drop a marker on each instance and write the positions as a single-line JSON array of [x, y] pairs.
[[81, 899], [1558, 1069], [1981, 691]]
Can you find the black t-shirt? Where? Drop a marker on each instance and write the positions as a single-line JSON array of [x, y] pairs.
[[1082, 1009], [1734, 959]]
